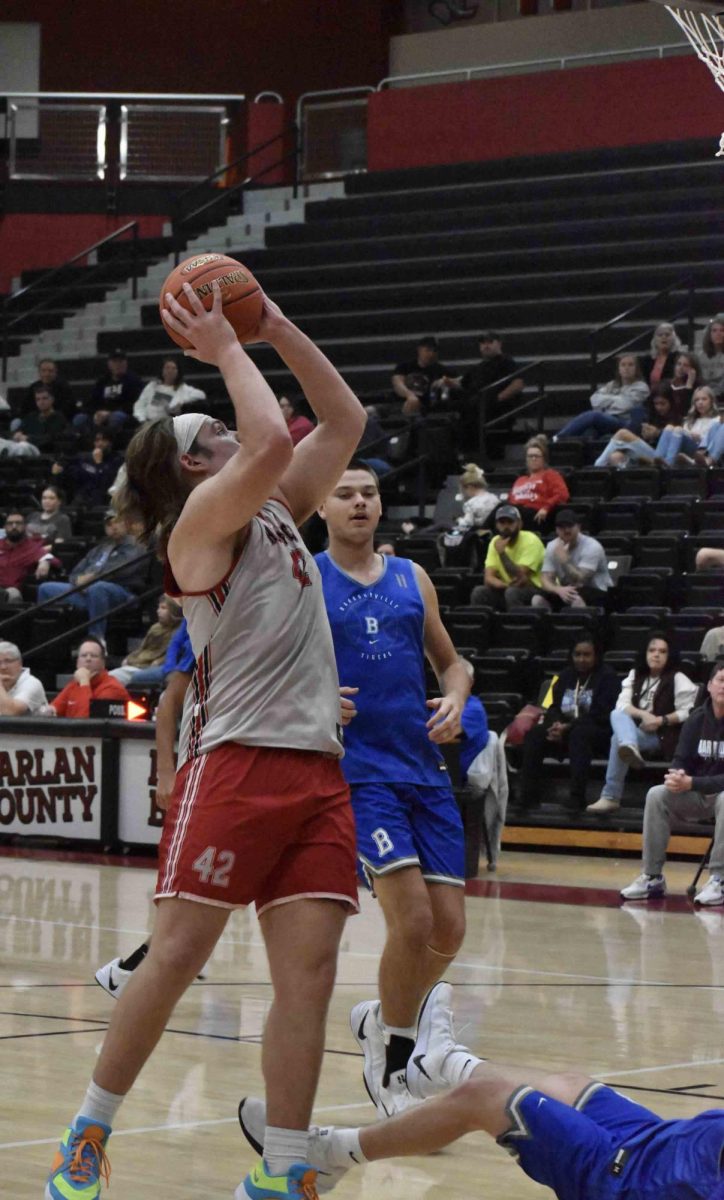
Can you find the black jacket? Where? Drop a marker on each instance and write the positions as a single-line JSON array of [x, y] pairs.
[[700, 750], [605, 686]]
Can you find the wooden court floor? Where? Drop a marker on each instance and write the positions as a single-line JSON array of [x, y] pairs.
[[635, 996]]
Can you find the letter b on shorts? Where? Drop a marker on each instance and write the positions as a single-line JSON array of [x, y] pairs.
[[382, 841]]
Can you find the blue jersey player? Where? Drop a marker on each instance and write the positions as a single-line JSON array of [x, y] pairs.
[[576, 1136], [385, 619]]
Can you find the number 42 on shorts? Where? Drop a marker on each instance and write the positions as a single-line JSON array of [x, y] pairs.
[[214, 866]]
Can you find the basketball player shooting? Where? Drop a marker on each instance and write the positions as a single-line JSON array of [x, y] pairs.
[[260, 811], [385, 620]]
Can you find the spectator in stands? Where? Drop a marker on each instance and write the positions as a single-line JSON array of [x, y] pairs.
[[659, 363], [167, 394], [91, 681], [615, 405], [712, 646], [51, 524], [457, 543], [712, 355], [47, 429], [474, 396], [655, 699], [577, 725], [685, 380], [679, 443], [575, 568], [113, 396], [709, 558], [49, 377], [512, 563], [21, 694], [626, 448], [711, 454], [145, 666], [693, 789], [373, 435], [91, 473], [297, 424], [115, 549], [20, 557], [412, 381], [538, 493]]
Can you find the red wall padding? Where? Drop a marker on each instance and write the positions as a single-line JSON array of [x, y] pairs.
[[626, 104], [29, 240]]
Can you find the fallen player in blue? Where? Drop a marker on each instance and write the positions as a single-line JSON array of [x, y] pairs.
[[576, 1136]]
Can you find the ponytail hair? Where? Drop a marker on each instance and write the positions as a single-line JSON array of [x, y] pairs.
[[154, 491]]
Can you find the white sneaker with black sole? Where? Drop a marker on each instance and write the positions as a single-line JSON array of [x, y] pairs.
[[393, 1097], [644, 887], [252, 1118], [113, 978], [435, 1041]]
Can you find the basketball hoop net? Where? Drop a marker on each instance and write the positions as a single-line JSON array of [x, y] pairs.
[[705, 31]]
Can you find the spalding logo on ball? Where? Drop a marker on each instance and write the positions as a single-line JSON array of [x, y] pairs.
[[241, 297]]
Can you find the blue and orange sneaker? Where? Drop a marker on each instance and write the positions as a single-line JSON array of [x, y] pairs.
[[300, 1183], [80, 1162]]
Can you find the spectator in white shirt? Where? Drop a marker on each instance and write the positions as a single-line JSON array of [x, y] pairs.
[[21, 694], [166, 395]]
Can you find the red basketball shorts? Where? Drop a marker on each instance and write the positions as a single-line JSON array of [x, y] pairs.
[[257, 824]]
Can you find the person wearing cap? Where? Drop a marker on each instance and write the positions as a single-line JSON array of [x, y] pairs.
[[113, 397], [413, 381], [477, 391], [512, 564], [575, 569], [99, 595]]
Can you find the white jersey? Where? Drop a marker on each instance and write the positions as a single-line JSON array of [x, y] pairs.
[[265, 671]]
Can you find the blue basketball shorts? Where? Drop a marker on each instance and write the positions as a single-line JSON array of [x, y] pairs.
[[610, 1148], [406, 825]]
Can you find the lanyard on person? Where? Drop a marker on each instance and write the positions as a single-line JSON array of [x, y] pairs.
[[580, 687]]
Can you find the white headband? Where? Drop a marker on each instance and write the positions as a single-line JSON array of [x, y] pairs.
[[186, 430]]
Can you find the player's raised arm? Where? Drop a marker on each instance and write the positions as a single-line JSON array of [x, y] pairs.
[[234, 479], [444, 724], [320, 458]]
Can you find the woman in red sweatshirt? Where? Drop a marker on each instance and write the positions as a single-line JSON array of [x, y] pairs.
[[539, 493]]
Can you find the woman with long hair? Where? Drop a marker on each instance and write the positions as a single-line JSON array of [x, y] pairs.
[[167, 394], [626, 447], [660, 361], [576, 726], [52, 523], [712, 355], [260, 811], [614, 405], [654, 701]]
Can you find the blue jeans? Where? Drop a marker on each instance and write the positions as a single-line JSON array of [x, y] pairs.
[[670, 444], [95, 600], [715, 443], [625, 733], [591, 422], [636, 449], [137, 678]]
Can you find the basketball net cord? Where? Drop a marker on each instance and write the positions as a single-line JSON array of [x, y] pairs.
[[706, 33]]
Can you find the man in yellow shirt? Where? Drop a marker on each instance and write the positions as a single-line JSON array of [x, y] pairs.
[[512, 564]]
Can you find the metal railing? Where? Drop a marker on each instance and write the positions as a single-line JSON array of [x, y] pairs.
[[68, 634], [537, 402], [8, 322], [684, 282], [228, 199], [560, 63]]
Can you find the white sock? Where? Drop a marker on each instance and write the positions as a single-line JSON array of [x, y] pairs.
[[459, 1066], [99, 1105], [398, 1031], [283, 1148], [343, 1145]]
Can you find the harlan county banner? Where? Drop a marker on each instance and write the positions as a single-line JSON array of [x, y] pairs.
[[50, 786]]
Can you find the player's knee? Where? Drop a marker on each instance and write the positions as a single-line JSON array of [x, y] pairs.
[[658, 797], [565, 1086], [177, 955], [448, 933], [474, 1099], [414, 924]]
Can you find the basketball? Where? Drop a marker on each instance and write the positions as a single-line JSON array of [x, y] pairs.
[[241, 296]]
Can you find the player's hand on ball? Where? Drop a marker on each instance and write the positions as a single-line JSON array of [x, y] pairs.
[[444, 724], [347, 709], [209, 332], [271, 321]]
